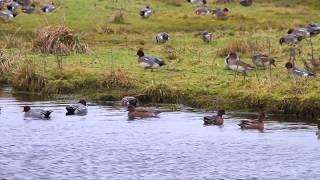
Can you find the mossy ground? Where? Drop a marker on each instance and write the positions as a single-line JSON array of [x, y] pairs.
[[195, 73]]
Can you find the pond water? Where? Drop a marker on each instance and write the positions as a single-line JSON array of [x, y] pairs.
[[106, 145]]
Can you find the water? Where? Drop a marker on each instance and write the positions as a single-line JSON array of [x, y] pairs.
[[105, 145]]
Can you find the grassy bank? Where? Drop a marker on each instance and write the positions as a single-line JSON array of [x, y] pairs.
[[195, 75]]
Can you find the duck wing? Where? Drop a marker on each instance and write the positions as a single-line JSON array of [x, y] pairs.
[[153, 60], [303, 72]]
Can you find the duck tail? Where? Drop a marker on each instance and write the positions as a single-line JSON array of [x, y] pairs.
[[70, 110], [47, 114]]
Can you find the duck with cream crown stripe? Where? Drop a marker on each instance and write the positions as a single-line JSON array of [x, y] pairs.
[[149, 62], [234, 63]]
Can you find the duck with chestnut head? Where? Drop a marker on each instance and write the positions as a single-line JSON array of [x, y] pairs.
[[254, 124], [149, 62], [298, 71], [215, 119], [134, 112], [36, 113], [221, 13], [79, 108]]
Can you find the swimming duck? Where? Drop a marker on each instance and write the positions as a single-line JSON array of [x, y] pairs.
[[129, 100], [221, 14], [162, 37], [77, 109], [234, 63], [298, 71], [290, 39], [29, 9], [301, 33], [314, 29], [36, 113], [13, 6], [215, 119], [149, 62], [255, 124], [246, 3], [263, 60], [49, 8], [23, 2], [198, 1], [202, 11], [7, 15], [139, 113], [206, 36], [146, 12]]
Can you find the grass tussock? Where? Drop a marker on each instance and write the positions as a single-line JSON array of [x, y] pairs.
[[239, 46], [59, 40], [162, 93], [118, 78], [118, 18], [6, 65]]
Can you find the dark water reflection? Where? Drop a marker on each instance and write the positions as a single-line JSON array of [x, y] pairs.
[[105, 145]]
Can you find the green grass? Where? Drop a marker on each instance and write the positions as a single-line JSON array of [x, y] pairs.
[[196, 74]]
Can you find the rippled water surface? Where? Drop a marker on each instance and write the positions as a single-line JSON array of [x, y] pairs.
[[105, 145]]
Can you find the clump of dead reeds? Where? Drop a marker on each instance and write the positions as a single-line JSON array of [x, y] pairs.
[[239, 46], [118, 78], [59, 40], [161, 93]]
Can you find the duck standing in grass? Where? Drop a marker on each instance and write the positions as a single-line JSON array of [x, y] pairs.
[[162, 37], [29, 9], [234, 63], [36, 113], [146, 12], [298, 71], [49, 8], [290, 39], [314, 29], [255, 124], [78, 109], [221, 14], [12, 6], [149, 62], [215, 119], [134, 112], [203, 2], [301, 33], [246, 3], [202, 11], [7, 15], [206, 36], [263, 60]]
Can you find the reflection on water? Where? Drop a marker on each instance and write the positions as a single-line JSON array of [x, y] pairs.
[[105, 145]]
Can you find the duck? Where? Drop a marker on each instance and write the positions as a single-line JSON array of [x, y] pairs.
[[146, 12], [36, 113], [7, 15], [202, 11], [263, 60], [246, 3], [301, 33], [134, 112], [149, 62], [162, 37], [314, 29], [290, 39], [206, 36], [234, 63], [255, 124], [298, 71], [215, 119], [23, 2], [12, 6], [49, 8], [77, 109], [29, 9], [221, 14], [204, 2], [129, 100]]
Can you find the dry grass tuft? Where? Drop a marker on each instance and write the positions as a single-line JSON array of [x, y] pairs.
[[59, 40], [6, 64], [118, 18], [162, 93], [239, 46], [119, 78]]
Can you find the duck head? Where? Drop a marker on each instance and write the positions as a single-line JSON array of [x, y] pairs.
[[131, 108], [26, 109], [273, 62], [233, 55], [289, 66], [290, 31], [14, 14], [221, 112], [33, 5], [129, 100], [140, 52], [282, 40], [262, 116], [226, 11], [82, 101]]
